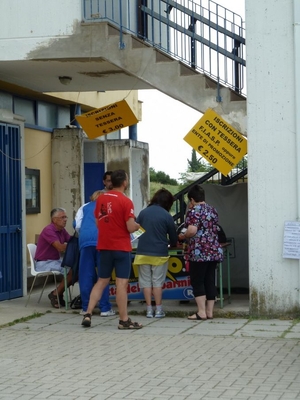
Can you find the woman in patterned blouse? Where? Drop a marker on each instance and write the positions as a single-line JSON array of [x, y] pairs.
[[204, 251]]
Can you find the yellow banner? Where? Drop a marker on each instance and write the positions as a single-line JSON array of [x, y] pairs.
[[217, 141], [108, 119]]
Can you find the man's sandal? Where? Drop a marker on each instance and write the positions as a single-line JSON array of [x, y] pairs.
[[129, 324], [53, 299], [87, 320]]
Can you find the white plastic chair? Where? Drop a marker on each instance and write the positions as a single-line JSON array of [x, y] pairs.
[[32, 249]]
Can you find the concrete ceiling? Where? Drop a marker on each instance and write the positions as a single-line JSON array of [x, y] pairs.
[[43, 75]]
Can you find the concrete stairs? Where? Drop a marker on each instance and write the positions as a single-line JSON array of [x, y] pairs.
[[170, 76]]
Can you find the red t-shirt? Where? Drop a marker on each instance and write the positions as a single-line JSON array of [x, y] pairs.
[[113, 210]]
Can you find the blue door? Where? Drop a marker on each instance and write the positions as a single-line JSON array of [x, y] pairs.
[[93, 174], [11, 274]]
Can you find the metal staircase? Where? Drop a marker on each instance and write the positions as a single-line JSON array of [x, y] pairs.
[[238, 175], [191, 51]]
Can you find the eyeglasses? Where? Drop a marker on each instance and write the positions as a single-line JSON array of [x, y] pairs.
[[64, 217]]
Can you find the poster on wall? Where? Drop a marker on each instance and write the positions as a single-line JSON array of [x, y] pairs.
[[291, 240]]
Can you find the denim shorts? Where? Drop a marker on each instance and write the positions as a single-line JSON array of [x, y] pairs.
[[120, 261]]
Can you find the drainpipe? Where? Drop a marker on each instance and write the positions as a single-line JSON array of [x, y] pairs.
[[296, 9]]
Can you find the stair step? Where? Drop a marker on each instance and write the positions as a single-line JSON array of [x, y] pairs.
[[160, 71]]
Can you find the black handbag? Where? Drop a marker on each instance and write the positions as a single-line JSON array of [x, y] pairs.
[[76, 303], [71, 257]]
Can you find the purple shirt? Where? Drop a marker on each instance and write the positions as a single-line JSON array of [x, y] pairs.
[[45, 251]]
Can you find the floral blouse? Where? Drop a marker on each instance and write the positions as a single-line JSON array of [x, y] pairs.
[[204, 246]]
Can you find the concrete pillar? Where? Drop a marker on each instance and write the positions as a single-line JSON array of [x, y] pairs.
[[272, 156], [133, 157], [67, 171]]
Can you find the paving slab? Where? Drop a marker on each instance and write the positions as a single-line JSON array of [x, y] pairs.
[[53, 357]]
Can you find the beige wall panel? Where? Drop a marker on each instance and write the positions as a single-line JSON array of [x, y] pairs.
[[38, 156]]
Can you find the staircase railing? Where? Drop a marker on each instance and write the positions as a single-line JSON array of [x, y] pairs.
[[202, 34], [214, 177]]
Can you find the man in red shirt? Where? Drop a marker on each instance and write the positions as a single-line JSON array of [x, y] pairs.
[[115, 219]]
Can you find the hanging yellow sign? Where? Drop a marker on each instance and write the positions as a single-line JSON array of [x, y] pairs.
[[108, 119], [217, 141]]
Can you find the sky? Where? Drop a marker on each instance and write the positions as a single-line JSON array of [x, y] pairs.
[[166, 121]]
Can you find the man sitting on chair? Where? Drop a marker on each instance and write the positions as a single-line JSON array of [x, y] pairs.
[[51, 243]]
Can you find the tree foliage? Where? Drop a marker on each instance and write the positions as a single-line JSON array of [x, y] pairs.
[[161, 177], [197, 164], [243, 163]]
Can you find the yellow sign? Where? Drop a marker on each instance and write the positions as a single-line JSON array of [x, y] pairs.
[[217, 141], [105, 120]]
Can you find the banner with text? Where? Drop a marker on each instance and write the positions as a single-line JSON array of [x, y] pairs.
[[177, 285], [217, 141], [108, 119]]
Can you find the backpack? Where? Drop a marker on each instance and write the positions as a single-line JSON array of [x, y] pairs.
[[76, 303], [221, 235]]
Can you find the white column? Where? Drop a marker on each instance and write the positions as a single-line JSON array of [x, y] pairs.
[[272, 161]]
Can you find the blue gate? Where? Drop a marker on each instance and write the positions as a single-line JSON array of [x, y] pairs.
[[11, 273]]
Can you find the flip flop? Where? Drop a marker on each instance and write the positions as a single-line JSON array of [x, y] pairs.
[[196, 317]]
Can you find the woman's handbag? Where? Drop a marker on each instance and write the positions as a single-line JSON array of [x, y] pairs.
[[71, 257]]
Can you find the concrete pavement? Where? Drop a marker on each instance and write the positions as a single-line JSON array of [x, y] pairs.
[[53, 357]]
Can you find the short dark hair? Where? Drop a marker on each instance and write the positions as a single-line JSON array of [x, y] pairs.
[[105, 174], [197, 193], [118, 177], [163, 198]]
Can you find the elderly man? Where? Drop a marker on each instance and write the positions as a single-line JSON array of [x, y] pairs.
[[51, 243]]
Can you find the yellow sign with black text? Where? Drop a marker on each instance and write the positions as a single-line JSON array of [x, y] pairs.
[[108, 119], [217, 141]]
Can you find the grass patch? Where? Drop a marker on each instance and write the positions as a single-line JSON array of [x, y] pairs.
[[23, 319], [295, 322]]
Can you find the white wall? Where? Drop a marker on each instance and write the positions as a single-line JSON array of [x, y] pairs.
[[272, 160], [56, 18]]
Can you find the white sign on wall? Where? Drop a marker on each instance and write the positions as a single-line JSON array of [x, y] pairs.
[[291, 240]]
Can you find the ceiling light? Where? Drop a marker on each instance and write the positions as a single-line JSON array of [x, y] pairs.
[[65, 80]]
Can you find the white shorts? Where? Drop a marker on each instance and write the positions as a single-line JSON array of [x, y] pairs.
[[152, 275], [50, 265]]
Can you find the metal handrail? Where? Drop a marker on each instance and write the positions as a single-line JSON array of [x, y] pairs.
[[180, 203], [202, 34]]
